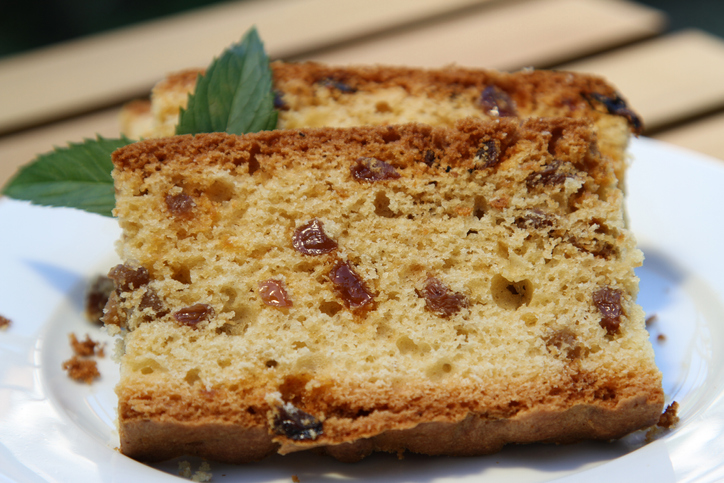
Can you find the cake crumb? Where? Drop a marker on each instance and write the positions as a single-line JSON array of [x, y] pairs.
[[204, 473], [661, 338], [669, 418], [295, 479], [4, 323], [87, 347], [85, 370], [184, 469], [651, 319]]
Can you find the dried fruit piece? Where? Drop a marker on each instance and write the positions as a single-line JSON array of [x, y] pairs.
[[534, 218], [151, 300], [296, 424], [279, 103], [194, 314], [97, 297], [373, 169], [608, 302], [128, 278], [488, 156], [564, 339], [338, 85], [429, 157], [497, 103], [617, 106], [310, 239], [440, 300], [274, 294], [350, 286], [548, 176], [180, 205]]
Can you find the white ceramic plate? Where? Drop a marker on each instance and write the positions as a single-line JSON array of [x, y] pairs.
[[54, 429]]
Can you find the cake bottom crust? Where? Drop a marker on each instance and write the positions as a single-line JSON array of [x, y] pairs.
[[229, 442]]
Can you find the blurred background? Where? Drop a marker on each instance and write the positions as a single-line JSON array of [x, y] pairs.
[[37, 23], [68, 66]]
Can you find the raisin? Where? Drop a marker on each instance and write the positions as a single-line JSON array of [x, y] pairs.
[[180, 205], [338, 85], [273, 293], [310, 239], [548, 176], [373, 169], [151, 300], [194, 314], [617, 106], [534, 218], [296, 424], [97, 297], [608, 302], [440, 300], [429, 157], [350, 286], [279, 103], [564, 339], [497, 103], [488, 156], [128, 278]]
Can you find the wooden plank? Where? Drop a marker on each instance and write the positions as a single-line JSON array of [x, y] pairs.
[[705, 136], [109, 68], [510, 35], [667, 79], [21, 148]]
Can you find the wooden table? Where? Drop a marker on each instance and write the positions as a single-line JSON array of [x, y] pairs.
[[74, 90]]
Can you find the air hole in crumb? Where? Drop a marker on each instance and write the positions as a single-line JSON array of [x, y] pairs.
[[382, 205], [252, 163], [271, 363], [405, 345], [147, 370], [503, 250], [220, 191], [192, 376], [298, 345], [439, 369], [330, 308], [383, 106], [511, 295], [224, 362], [182, 275], [480, 206]]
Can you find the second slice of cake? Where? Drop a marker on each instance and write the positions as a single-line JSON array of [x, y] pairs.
[[438, 290]]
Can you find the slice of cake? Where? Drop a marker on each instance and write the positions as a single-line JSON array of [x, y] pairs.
[[317, 95], [437, 290]]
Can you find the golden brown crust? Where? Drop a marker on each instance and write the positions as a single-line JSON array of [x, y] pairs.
[[435, 421]]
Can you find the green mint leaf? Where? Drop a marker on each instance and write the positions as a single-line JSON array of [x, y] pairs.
[[78, 176], [235, 95]]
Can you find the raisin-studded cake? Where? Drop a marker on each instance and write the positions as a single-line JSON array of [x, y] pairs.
[[317, 95], [437, 290]]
